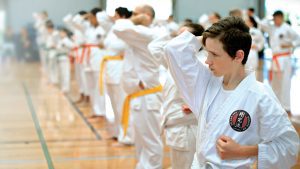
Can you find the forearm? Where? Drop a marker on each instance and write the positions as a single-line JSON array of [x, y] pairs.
[[248, 151]]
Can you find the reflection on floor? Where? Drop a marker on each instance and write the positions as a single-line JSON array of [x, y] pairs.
[[40, 127]]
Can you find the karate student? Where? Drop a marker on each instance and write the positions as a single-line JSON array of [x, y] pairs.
[[257, 45], [115, 48], [239, 119], [180, 127], [140, 79], [251, 13], [77, 25], [282, 41], [65, 44], [40, 25], [91, 59], [51, 42]]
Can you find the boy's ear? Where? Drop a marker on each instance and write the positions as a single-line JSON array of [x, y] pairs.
[[239, 56]]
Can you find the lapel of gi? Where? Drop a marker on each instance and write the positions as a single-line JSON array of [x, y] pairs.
[[216, 121]]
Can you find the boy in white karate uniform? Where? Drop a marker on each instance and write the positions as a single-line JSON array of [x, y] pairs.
[[239, 119], [282, 41], [51, 42], [92, 56], [77, 25], [65, 44]]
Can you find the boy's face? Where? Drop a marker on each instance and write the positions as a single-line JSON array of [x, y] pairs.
[[218, 60], [93, 20], [62, 34], [278, 20], [116, 16]]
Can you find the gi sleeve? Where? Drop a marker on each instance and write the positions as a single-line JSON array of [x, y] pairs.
[[156, 48], [265, 25], [190, 76], [295, 37], [260, 40], [133, 35], [280, 142]]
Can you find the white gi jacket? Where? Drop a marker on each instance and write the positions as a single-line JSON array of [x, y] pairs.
[[64, 46], [94, 35], [114, 46], [52, 40], [175, 121], [280, 36], [105, 21], [257, 40], [40, 26], [250, 115], [139, 65]]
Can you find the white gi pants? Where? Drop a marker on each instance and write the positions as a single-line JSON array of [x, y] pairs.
[[78, 77], [149, 146], [281, 82], [181, 159], [97, 101], [117, 96], [84, 80], [43, 59], [64, 70], [53, 66]]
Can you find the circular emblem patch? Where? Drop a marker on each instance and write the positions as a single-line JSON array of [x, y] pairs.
[[240, 120]]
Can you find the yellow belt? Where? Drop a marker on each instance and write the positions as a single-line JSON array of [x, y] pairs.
[[126, 105], [102, 65]]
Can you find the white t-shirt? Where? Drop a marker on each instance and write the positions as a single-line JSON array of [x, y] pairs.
[[219, 100]]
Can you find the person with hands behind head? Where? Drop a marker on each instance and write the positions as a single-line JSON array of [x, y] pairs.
[[283, 40], [178, 122], [140, 80], [240, 121]]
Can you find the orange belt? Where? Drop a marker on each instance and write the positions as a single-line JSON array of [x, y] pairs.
[[102, 66], [275, 60], [126, 105], [88, 48]]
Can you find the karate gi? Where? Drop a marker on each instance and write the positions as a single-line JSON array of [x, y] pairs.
[[76, 25], [258, 41], [250, 115], [145, 110], [52, 64], [113, 71], [282, 72], [40, 26], [91, 68], [63, 48], [180, 128]]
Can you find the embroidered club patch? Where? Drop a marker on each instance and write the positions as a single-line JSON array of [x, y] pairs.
[[240, 120]]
